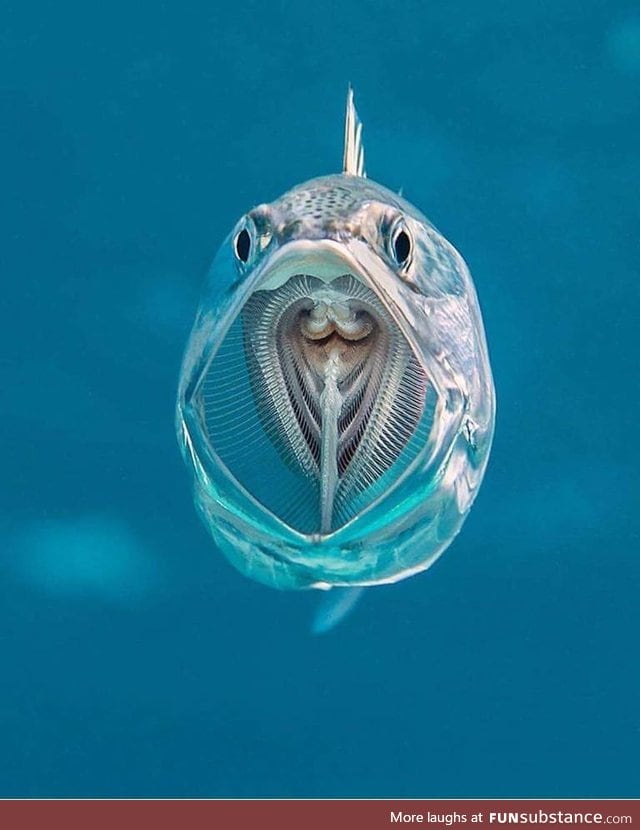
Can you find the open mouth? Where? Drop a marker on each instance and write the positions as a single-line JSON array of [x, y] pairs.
[[315, 401]]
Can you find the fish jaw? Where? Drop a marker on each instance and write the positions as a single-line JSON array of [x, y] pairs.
[[378, 544]]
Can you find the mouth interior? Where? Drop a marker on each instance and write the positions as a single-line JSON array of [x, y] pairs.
[[315, 401]]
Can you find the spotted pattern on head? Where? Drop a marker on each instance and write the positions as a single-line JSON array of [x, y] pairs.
[[322, 208], [318, 203]]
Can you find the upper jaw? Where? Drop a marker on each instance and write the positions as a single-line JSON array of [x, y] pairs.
[[325, 259]]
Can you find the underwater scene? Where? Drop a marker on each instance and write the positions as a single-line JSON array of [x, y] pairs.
[[319, 395]]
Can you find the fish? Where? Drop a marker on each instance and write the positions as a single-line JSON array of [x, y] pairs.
[[336, 405]]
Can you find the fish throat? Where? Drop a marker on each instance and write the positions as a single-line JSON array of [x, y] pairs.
[[336, 385]]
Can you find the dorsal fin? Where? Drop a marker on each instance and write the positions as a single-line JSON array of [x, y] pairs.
[[353, 158]]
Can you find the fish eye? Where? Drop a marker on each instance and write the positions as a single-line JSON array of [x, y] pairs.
[[402, 246], [242, 245]]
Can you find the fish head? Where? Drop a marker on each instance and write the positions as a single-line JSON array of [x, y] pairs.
[[336, 398]]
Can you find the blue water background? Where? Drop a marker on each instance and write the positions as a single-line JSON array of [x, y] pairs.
[[133, 659]]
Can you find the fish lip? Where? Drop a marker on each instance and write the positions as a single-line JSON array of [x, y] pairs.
[[325, 259]]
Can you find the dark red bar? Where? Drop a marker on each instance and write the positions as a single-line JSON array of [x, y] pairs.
[[318, 815]]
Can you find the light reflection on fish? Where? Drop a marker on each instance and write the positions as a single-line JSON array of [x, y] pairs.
[[336, 404]]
